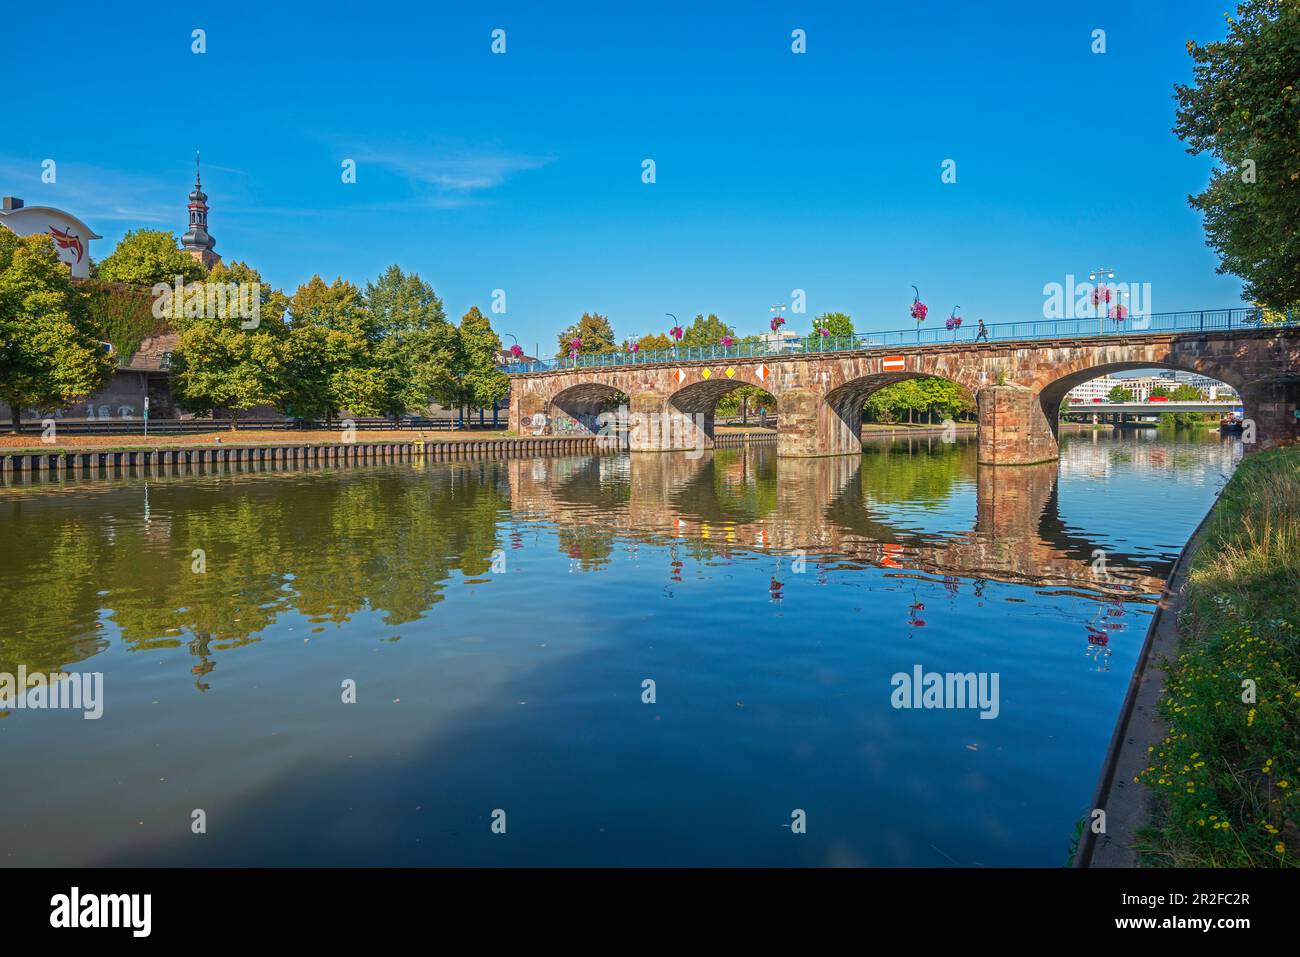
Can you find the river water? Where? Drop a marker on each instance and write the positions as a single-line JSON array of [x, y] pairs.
[[504, 623]]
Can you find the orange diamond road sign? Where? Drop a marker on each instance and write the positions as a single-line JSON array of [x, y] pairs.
[[762, 373], [893, 363], [706, 373], [680, 376], [730, 372]]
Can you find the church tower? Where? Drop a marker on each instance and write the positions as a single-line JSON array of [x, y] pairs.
[[197, 241]]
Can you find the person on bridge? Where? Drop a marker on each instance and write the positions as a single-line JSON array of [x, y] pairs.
[[982, 332]]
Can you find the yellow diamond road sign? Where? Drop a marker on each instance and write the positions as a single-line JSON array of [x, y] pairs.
[[706, 373], [730, 372]]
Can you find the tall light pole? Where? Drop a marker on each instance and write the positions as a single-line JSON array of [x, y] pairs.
[[778, 309], [1094, 276]]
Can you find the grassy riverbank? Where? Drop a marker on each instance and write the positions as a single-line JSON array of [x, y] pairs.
[[1227, 773]]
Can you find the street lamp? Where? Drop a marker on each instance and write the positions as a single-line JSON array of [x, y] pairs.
[[776, 326], [1094, 276]]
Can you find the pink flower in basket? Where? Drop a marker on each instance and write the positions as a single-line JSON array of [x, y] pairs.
[[634, 347], [516, 350], [1121, 312], [727, 341], [777, 322], [824, 331], [919, 309], [1100, 294], [676, 333]]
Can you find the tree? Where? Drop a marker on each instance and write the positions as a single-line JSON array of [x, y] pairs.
[[706, 331], [329, 362], [740, 401], [1119, 394], [836, 323], [144, 257], [1243, 108], [1187, 393], [928, 394], [483, 384], [50, 352], [654, 343], [595, 332], [1160, 392], [419, 350], [220, 364]]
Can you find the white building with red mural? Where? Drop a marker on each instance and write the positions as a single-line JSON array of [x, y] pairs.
[[71, 236]]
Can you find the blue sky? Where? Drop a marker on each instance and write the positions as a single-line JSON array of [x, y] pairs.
[[522, 171]]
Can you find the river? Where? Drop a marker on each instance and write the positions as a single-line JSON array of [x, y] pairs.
[[658, 659]]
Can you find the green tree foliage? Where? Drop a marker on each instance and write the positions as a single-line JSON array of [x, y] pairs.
[[482, 383], [927, 396], [1243, 108], [124, 314], [416, 346], [50, 352], [706, 331], [839, 323], [145, 257], [329, 365], [218, 364], [745, 401], [1119, 394], [654, 343], [594, 330]]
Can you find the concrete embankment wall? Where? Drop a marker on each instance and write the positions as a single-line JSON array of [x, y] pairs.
[[79, 461]]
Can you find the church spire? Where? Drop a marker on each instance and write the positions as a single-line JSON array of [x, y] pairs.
[[197, 241]]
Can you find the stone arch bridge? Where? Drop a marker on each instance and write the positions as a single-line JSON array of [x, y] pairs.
[[1018, 387]]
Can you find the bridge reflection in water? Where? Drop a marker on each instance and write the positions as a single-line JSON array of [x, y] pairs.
[[937, 513]]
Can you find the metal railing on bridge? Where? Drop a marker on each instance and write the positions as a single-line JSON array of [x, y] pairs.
[[1205, 320]]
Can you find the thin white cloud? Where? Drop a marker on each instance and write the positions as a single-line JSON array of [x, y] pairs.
[[453, 178], [92, 193]]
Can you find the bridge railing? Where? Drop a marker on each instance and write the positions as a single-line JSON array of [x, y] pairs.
[[1205, 320]]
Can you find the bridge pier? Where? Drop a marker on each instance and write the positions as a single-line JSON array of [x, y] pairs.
[[656, 425], [1272, 406], [1013, 427]]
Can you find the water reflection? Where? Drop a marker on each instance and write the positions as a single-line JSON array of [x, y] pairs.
[[331, 544], [499, 618]]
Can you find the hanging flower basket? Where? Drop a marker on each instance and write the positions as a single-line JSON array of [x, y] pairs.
[[727, 341], [516, 350], [919, 309], [777, 322]]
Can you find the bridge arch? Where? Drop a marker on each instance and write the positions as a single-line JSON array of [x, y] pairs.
[[1053, 393], [699, 400], [839, 415], [578, 407]]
